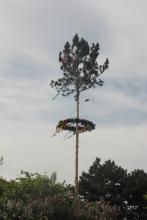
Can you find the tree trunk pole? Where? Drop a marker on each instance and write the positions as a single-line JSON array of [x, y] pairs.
[[77, 138]]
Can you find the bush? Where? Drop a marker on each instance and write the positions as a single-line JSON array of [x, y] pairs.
[[57, 207], [39, 197]]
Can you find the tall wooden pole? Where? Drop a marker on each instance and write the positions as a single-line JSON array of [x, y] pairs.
[[77, 137]]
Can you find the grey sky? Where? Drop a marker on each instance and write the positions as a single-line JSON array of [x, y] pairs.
[[32, 34]]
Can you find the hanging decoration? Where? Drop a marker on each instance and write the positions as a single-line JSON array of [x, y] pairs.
[[71, 124]]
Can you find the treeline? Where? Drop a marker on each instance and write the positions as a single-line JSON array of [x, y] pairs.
[[106, 192], [39, 197], [113, 184]]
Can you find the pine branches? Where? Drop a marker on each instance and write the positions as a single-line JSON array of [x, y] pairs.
[[79, 59]]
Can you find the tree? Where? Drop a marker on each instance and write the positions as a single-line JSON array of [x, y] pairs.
[[112, 183], [134, 192], [103, 181], [81, 72]]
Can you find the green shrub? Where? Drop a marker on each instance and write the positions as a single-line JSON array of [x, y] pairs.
[[39, 197]]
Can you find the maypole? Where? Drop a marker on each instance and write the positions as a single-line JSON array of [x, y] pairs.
[[77, 136], [80, 72]]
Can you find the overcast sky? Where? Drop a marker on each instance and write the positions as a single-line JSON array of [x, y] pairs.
[[32, 33]]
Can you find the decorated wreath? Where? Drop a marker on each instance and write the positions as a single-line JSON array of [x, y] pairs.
[[71, 125]]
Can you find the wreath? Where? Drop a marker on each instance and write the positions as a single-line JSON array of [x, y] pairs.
[[72, 124]]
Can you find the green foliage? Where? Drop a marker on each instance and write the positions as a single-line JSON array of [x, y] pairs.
[[39, 197], [145, 197], [3, 189], [135, 189], [32, 186], [109, 193], [79, 60], [113, 184], [103, 181]]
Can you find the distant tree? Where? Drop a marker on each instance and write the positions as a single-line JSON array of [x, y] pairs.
[[112, 183], [135, 190], [103, 181]]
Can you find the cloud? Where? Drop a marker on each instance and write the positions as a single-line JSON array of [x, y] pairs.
[[42, 30], [25, 67], [117, 103]]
